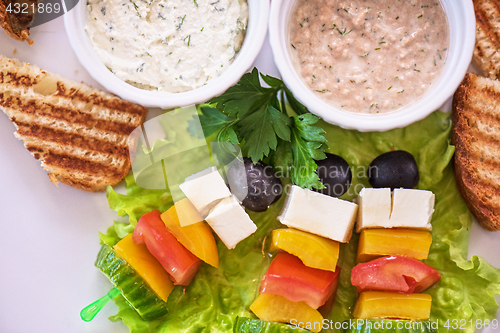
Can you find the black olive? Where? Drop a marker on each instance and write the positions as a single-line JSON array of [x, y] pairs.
[[264, 187], [394, 169], [335, 173]]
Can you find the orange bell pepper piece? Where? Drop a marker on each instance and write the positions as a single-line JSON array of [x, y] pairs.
[[196, 237], [380, 304], [374, 243]]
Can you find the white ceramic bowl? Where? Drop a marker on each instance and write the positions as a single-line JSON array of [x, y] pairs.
[[462, 24], [74, 22]]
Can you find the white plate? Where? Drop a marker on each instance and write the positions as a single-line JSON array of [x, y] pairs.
[[48, 240]]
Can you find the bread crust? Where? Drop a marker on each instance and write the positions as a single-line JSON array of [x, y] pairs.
[[9, 27], [476, 136], [79, 134]]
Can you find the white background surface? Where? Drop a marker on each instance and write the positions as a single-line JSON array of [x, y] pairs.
[[48, 237]]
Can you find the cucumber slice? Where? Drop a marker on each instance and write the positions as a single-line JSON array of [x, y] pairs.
[[247, 325], [135, 290], [389, 326]]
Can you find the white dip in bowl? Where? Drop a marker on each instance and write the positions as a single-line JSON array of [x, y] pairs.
[[167, 45], [461, 26], [369, 56]]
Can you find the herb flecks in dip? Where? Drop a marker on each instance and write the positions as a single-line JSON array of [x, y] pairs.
[[167, 45], [369, 56]]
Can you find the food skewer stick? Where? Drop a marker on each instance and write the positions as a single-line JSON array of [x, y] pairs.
[[90, 311]]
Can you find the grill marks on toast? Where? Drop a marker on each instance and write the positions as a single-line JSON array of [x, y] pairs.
[[485, 10], [79, 134], [476, 135], [67, 161], [487, 49], [125, 108], [49, 134], [66, 114]]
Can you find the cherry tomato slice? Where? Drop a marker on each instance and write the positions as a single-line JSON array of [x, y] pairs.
[[287, 276], [394, 273], [181, 264]]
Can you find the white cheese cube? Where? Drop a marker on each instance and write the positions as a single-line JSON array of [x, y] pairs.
[[412, 208], [407, 208], [205, 189], [230, 222], [374, 208], [319, 214]]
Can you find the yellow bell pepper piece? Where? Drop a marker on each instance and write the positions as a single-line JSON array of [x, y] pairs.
[[379, 304], [197, 237], [374, 243], [143, 262], [187, 213], [279, 309], [314, 251]]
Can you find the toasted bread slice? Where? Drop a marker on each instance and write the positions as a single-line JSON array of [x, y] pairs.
[[16, 25], [487, 50], [476, 136], [79, 134]]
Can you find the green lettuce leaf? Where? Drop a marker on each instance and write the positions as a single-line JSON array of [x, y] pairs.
[[137, 201], [467, 288], [216, 298], [116, 232]]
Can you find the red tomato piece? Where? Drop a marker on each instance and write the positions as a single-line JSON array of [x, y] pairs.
[[181, 264], [394, 273], [287, 276], [326, 308]]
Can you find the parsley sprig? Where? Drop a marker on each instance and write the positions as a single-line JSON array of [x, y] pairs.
[[267, 128]]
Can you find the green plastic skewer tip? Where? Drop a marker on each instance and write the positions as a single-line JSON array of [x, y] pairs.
[[90, 311]]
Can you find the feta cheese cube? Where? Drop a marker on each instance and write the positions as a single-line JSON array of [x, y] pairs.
[[412, 208], [230, 222], [374, 208], [319, 214], [407, 208], [205, 189]]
